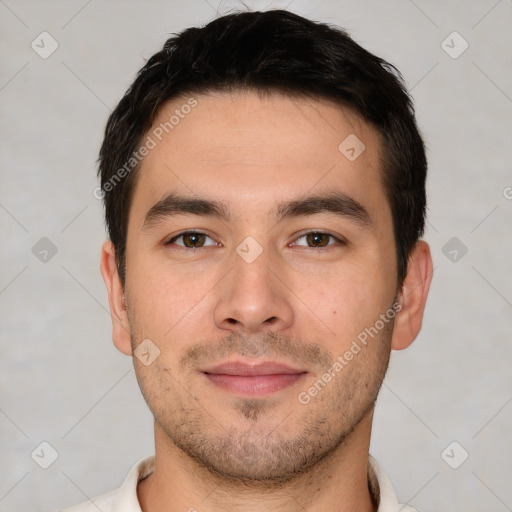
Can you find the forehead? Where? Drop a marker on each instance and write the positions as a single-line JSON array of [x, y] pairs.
[[252, 151]]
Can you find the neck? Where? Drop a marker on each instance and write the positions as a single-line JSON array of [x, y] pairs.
[[338, 482]]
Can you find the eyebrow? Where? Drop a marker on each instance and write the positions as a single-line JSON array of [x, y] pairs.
[[336, 203]]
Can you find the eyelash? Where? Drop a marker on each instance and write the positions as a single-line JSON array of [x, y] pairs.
[[180, 235]]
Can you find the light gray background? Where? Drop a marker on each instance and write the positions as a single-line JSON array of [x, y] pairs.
[[61, 379]]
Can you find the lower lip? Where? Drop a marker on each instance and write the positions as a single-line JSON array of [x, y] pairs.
[[254, 385]]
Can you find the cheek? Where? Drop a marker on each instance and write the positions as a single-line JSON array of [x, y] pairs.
[[155, 302], [348, 303], [170, 304]]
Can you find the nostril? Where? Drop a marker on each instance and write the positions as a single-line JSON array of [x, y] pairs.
[[271, 319]]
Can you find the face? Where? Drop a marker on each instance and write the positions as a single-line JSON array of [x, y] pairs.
[[259, 253]]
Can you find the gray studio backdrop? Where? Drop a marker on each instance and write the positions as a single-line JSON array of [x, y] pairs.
[[72, 419]]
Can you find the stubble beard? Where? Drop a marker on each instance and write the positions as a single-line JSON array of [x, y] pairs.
[[272, 443]]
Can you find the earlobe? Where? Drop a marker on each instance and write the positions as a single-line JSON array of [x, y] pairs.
[[413, 297], [116, 299]]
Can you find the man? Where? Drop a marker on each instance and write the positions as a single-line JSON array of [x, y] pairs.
[[264, 187]]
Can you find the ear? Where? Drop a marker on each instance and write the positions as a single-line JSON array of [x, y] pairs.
[[116, 299], [413, 297]]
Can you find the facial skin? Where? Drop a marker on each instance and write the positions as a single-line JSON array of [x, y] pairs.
[[302, 306]]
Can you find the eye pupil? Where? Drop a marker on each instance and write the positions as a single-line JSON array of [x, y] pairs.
[[317, 239], [193, 239]]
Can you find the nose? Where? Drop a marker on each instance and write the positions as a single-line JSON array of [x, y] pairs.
[[253, 299]]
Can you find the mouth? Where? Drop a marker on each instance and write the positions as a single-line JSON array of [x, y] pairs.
[[256, 380]]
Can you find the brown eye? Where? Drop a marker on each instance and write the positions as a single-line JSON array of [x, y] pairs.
[[191, 240], [318, 239]]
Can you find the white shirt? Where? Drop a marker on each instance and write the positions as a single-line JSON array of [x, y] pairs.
[[125, 498]]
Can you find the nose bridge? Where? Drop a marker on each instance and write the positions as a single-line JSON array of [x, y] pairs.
[[252, 298], [252, 279]]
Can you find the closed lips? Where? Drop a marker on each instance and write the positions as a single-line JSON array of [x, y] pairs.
[[247, 370], [256, 380]]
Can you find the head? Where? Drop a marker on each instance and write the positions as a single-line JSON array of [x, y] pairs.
[[264, 189]]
